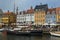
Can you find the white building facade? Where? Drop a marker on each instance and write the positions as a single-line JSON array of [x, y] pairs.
[[20, 19], [25, 17], [29, 18]]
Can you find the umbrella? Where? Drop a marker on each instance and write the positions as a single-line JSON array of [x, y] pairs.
[[46, 24], [52, 24]]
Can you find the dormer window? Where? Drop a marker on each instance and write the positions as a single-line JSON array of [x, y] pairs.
[[39, 9], [20, 13], [59, 12], [36, 9], [48, 12]]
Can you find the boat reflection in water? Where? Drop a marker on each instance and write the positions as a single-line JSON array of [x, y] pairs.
[[44, 37], [3, 35], [16, 37]]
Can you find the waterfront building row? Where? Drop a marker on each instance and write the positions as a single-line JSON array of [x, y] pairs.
[[39, 15], [7, 19], [26, 17]]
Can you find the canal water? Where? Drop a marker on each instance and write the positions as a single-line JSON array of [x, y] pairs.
[[15, 37]]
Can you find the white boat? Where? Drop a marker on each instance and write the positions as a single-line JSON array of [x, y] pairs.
[[55, 30], [56, 33], [1, 29]]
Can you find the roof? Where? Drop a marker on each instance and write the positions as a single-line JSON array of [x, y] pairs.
[[52, 9], [30, 11], [58, 8], [7, 13], [44, 7]]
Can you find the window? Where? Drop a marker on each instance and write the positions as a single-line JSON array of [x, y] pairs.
[[48, 12], [28, 14], [54, 16], [20, 13], [53, 12], [39, 9], [59, 12], [36, 9], [59, 18]]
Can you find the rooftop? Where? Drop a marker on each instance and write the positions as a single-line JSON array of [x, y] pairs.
[[44, 7]]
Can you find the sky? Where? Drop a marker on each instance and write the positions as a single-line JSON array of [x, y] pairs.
[[26, 4]]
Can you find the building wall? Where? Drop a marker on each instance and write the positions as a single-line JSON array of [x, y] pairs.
[[40, 13], [5, 18], [58, 14], [25, 18], [39, 17], [9, 18], [20, 17], [1, 13], [12, 18], [29, 17], [50, 18]]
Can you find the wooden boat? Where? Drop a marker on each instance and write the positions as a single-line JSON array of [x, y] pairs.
[[36, 32], [18, 33], [56, 33], [24, 32]]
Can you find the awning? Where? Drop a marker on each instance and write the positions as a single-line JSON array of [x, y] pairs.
[[46, 24]]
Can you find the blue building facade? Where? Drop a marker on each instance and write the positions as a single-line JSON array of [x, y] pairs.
[[51, 16]]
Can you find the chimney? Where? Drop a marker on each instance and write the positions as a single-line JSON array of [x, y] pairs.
[[8, 11], [17, 10], [31, 7], [40, 3]]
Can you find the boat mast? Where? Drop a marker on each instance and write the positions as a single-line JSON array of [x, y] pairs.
[[14, 7]]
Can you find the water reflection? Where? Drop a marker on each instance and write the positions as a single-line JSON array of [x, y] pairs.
[[36, 37], [44, 37], [14, 37], [11, 37], [2, 36], [54, 38]]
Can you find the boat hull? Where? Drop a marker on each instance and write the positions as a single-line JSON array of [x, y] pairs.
[[55, 34], [32, 33], [36, 32]]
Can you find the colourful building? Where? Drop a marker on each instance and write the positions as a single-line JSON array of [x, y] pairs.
[[51, 16], [39, 13], [30, 16], [1, 13], [9, 18], [26, 17], [58, 15], [20, 18]]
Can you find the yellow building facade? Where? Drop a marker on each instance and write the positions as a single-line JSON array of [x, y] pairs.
[[9, 18], [40, 13], [39, 17], [58, 15], [5, 20]]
